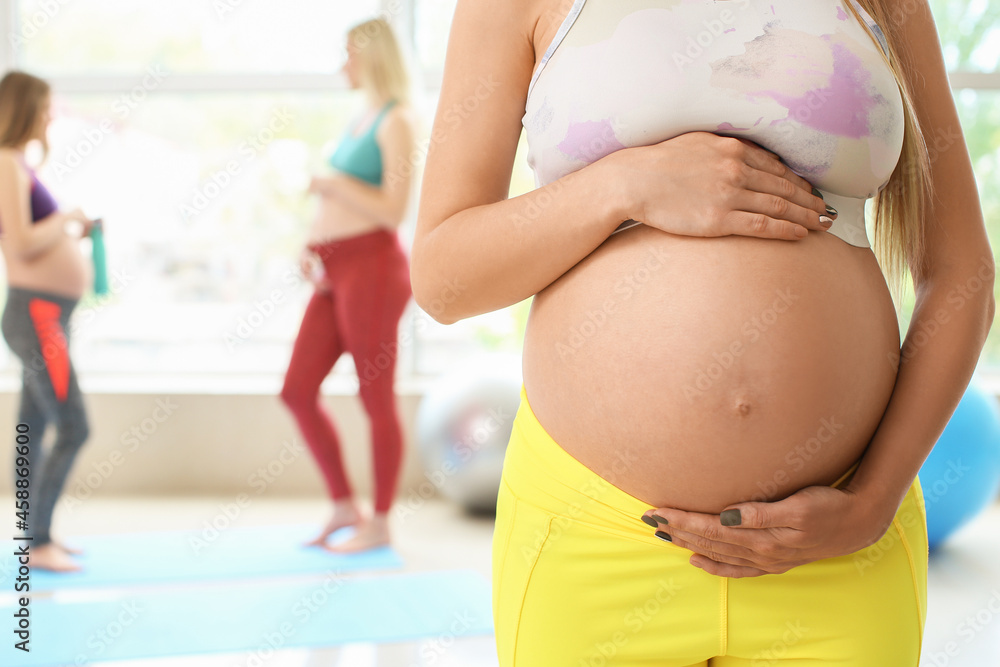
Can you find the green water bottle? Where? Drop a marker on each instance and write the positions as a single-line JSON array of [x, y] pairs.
[[99, 257]]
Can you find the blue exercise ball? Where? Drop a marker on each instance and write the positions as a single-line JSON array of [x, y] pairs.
[[962, 474], [464, 423]]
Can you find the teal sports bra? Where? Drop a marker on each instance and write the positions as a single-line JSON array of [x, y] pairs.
[[360, 156], [802, 78]]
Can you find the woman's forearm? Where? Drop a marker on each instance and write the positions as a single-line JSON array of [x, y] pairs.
[[946, 335], [495, 255]]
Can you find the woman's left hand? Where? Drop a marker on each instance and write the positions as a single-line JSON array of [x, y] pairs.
[[770, 538]]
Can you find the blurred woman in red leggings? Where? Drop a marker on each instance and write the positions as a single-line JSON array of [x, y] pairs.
[[361, 276]]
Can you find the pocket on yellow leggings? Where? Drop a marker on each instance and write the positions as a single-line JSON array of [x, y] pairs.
[[519, 537]]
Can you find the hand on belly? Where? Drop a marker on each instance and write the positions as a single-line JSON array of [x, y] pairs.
[[722, 369]]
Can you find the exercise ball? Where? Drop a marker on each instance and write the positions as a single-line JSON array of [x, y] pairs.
[[464, 423], [962, 473]]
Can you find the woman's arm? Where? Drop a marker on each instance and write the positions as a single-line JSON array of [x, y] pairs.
[[25, 239], [946, 335], [386, 203], [476, 251]]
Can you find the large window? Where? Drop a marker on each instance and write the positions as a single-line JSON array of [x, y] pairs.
[[193, 126]]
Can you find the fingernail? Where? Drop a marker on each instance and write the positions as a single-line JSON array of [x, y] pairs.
[[831, 211], [731, 518], [663, 536], [817, 193], [648, 520], [825, 221], [660, 519]]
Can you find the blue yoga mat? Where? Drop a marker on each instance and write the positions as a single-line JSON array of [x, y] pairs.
[[161, 557], [252, 618]]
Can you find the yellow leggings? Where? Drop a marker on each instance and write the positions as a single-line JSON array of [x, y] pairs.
[[580, 581]]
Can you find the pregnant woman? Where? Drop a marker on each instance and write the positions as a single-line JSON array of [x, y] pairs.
[[361, 275], [712, 347], [46, 276]]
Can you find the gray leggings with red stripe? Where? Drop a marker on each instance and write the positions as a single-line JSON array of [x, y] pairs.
[[36, 327]]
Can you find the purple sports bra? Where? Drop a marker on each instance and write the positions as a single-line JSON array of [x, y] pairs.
[[43, 204]]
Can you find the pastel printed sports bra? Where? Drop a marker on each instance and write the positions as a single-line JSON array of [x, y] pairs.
[[802, 78]]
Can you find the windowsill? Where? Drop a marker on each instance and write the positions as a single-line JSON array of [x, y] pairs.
[[270, 385], [235, 384]]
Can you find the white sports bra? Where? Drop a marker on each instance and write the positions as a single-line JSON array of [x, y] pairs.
[[802, 78]]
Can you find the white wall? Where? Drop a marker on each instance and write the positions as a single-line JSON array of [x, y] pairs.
[[212, 444]]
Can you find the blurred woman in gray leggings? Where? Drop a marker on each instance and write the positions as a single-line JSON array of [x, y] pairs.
[[46, 276]]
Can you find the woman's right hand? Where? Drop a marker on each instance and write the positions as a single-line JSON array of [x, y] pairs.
[[701, 184], [312, 269]]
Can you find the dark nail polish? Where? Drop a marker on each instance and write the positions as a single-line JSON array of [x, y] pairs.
[[663, 536], [648, 520], [731, 518], [831, 211], [817, 193], [660, 519]]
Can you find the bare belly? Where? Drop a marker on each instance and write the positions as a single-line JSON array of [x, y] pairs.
[[695, 373], [335, 219], [61, 270]]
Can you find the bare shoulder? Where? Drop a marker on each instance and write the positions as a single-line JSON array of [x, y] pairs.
[[488, 66], [400, 118], [10, 165]]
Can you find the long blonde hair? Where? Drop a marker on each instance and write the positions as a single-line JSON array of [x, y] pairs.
[[22, 97], [899, 210], [382, 66]]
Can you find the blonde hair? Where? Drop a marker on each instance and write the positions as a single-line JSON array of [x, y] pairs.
[[22, 97], [383, 70], [899, 209]]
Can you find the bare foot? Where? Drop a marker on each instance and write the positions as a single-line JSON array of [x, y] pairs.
[[345, 513], [51, 557], [369, 535], [70, 550]]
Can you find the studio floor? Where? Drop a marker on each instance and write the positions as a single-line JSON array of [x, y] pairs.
[[963, 624]]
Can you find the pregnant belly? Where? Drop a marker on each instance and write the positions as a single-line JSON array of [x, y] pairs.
[[695, 373], [60, 270]]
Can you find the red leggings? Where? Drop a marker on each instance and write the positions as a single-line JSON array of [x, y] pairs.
[[368, 281]]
